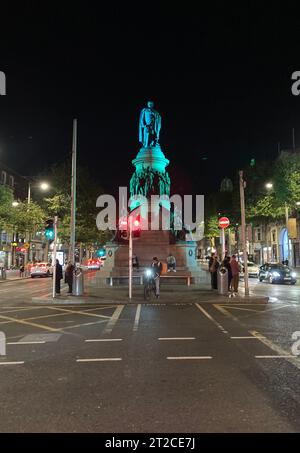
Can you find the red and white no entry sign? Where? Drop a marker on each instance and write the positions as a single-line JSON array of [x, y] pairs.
[[224, 222]]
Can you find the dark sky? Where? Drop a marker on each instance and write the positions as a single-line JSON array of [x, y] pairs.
[[220, 77]]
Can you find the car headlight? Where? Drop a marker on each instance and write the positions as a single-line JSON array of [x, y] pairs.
[[275, 274], [293, 274]]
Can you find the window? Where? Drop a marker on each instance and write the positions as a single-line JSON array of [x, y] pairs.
[[273, 236], [3, 177], [11, 181], [258, 234]]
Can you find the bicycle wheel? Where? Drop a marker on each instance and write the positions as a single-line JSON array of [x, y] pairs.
[[147, 292]]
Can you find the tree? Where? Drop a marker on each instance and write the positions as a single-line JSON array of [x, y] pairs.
[[287, 179]]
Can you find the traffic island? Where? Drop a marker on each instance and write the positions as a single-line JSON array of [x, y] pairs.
[[169, 295]]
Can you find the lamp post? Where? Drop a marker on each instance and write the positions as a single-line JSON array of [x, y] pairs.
[[43, 186]]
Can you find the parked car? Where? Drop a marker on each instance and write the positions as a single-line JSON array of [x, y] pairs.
[[94, 264], [253, 269], [277, 273], [41, 270]]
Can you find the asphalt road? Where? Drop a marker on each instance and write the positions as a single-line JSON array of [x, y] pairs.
[[150, 368]]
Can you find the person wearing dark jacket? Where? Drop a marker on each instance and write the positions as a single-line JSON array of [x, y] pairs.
[[214, 270], [226, 264], [69, 276], [58, 276], [157, 269], [210, 263]]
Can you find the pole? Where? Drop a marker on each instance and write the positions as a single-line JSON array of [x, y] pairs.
[[73, 194], [129, 225], [223, 243], [29, 193], [54, 256], [293, 139], [243, 226], [287, 229]]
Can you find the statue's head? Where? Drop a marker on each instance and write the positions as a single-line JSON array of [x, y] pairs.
[[150, 104]]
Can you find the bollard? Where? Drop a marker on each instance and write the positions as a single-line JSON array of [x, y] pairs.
[[78, 282], [223, 280]]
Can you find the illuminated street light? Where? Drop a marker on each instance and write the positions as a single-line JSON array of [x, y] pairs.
[[298, 203], [44, 186], [15, 203], [269, 185]]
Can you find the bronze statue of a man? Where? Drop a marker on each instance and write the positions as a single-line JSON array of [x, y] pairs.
[[149, 126]]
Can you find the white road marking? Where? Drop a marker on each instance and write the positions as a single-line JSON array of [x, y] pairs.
[[11, 363], [177, 338], [111, 323], [247, 338], [137, 317], [204, 357], [27, 342], [106, 359], [211, 318], [273, 356], [103, 339]]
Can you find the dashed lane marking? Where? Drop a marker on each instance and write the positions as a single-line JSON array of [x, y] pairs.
[[111, 323], [11, 363], [207, 357], [211, 318], [273, 356], [137, 318], [176, 338], [247, 338], [103, 359], [103, 339], [25, 342]]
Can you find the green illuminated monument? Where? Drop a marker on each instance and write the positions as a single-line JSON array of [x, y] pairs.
[[150, 176]]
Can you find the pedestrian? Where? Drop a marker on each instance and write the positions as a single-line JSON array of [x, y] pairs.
[[235, 269], [210, 263], [22, 269], [171, 263], [214, 272], [135, 262], [69, 272], [58, 276], [226, 264], [157, 269]]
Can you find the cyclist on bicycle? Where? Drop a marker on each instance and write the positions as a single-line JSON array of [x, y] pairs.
[[157, 270]]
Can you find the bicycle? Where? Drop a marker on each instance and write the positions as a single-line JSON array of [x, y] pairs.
[[149, 284]]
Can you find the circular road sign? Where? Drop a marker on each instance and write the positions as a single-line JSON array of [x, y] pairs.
[[224, 222]]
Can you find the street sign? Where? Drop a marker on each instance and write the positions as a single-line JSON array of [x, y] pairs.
[[224, 222], [26, 245]]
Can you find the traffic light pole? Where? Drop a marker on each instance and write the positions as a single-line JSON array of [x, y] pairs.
[[54, 256], [130, 254], [243, 226]]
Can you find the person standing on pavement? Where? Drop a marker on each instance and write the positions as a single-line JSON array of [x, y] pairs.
[[58, 276], [210, 263], [235, 269], [214, 271], [226, 264], [157, 269], [22, 269], [69, 272]]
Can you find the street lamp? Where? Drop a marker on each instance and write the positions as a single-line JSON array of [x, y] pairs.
[[269, 185], [298, 203], [42, 185], [15, 203]]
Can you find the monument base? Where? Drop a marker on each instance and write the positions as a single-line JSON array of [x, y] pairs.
[[149, 244]]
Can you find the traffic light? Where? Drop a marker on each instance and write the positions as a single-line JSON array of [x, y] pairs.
[[136, 228], [100, 252], [252, 162], [49, 229]]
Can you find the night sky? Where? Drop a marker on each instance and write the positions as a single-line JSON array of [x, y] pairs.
[[220, 78]]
